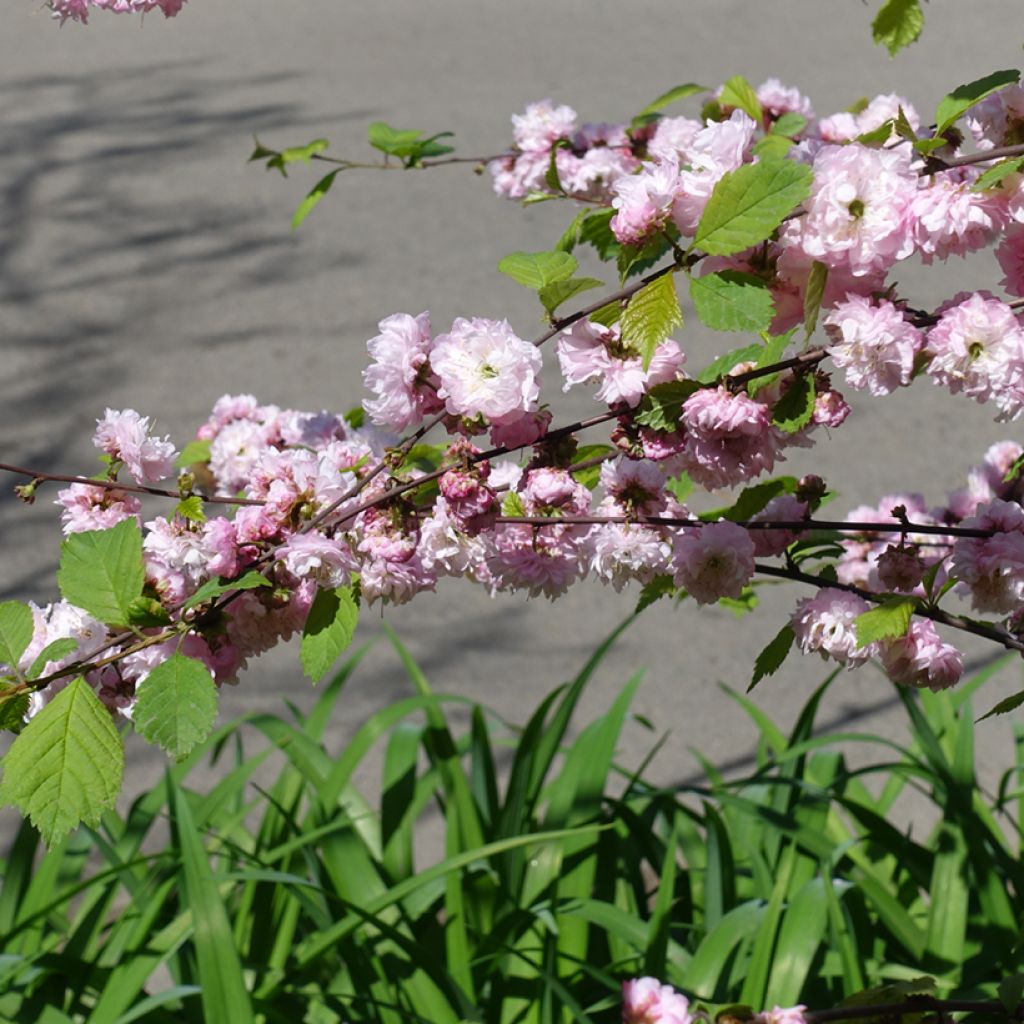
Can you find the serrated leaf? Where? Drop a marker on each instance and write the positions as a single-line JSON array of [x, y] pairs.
[[662, 406], [590, 476], [13, 706], [101, 571], [897, 24], [789, 124], [770, 660], [773, 147], [538, 269], [738, 92], [176, 705], [607, 316], [221, 585], [680, 487], [963, 97], [194, 452], [730, 300], [1006, 705], [328, 630], [147, 612], [727, 360], [652, 315], [16, 629], [53, 651], [814, 293], [659, 587], [996, 175], [794, 410], [553, 295], [303, 154], [405, 143], [191, 508], [878, 136], [596, 231], [680, 92], [753, 499], [313, 196], [571, 235], [748, 204], [512, 505], [66, 765], [887, 621], [635, 259]]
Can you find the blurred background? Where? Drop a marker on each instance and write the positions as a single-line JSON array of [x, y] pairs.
[[144, 264]]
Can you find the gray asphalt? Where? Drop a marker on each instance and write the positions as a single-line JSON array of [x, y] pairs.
[[144, 264]]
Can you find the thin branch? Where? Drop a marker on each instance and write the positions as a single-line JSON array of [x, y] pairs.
[[914, 1004]]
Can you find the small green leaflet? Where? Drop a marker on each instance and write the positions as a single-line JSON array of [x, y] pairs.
[[13, 706], [512, 505], [793, 411], [553, 295], [770, 660], [279, 160], [898, 24], [424, 457], [406, 144], [596, 231], [662, 406], [813, 295], [730, 300], [191, 508], [66, 765], [889, 620], [753, 499], [742, 605], [16, 629], [680, 487], [963, 97], [1006, 705], [214, 588], [772, 147], [194, 452], [571, 236], [608, 315], [589, 476], [660, 586], [748, 204], [726, 361], [680, 92], [738, 92], [652, 315], [995, 175], [632, 259], [772, 352], [313, 196], [177, 705], [102, 571], [147, 612], [537, 270], [328, 630], [53, 651], [789, 125], [1011, 991]]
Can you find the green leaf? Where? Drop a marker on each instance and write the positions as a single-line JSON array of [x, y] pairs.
[[770, 660], [727, 360], [680, 487], [662, 406], [53, 651], [553, 295], [67, 764], [742, 605], [789, 124], [406, 144], [313, 196], [608, 315], [147, 612], [748, 204], [222, 585], [753, 499], [730, 300], [963, 97], [680, 92], [191, 508], [773, 147], [571, 236], [1006, 705], [1011, 991], [651, 316], [538, 269], [328, 630], [303, 154], [13, 706], [596, 231], [996, 175], [738, 92], [772, 352], [101, 571], [635, 259], [193, 453], [512, 505], [176, 705], [16, 629], [590, 476], [898, 24], [793, 411], [659, 587], [813, 295], [889, 620]]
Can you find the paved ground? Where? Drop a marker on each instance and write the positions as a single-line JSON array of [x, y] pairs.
[[143, 264]]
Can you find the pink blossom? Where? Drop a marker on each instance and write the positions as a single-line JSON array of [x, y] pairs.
[[541, 125], [858, 215], [920, 658], [622, 552], [548, 487], [78, 10], [526, 430], [782, 1015], [125, 436], [648, 1001], [673, 138], [777, 99], [786, 508], [486, 370], [977, 347], [997, 120], [634, 486], [1010, 254], [729, 438], [714, 561], [986, 481], [900, 567], [445, 549], [874, 344], [87, 507], [400, 374], [545, 560], [592, 175], [314, 556], [992, 568], [643, 201], [949, 219], [825, 623]]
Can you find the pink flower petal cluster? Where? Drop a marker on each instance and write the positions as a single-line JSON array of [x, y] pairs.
[[921, 659], [714, 561], [400, 374], [648, 1001], [992, 568], [124, 436], [949, 219], [79, 10], [644, 201], [87, 507], [825, 623]]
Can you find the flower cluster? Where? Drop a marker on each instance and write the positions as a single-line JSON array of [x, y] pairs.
[[648, 1001], [79, 10]]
